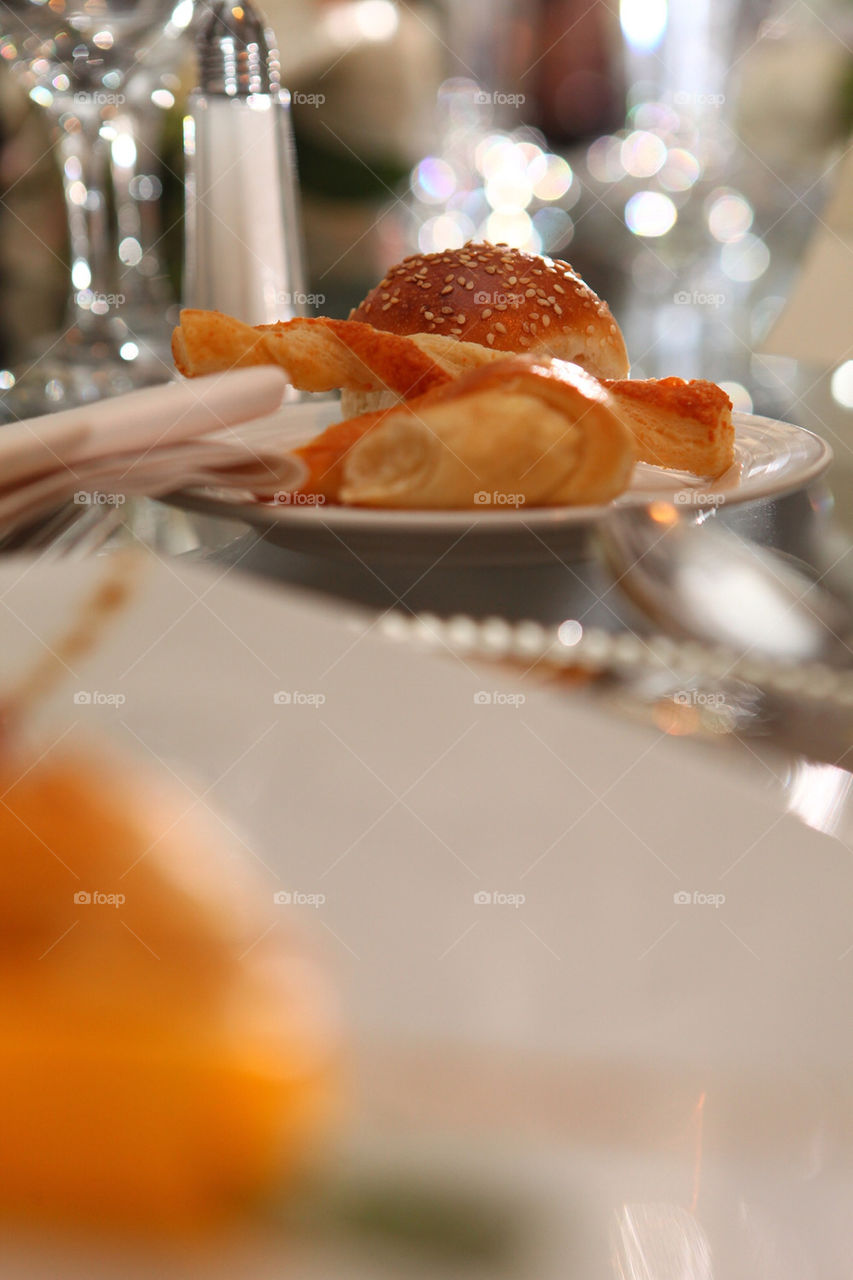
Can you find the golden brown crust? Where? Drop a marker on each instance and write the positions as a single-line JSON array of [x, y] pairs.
[[318, 354], [686, 426], [698, 399], [540, 430], [503, 299]]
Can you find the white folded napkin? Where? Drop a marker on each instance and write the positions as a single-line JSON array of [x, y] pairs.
[[176, 436]]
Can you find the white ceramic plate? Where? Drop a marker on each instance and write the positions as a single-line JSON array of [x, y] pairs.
[[649, 1054], [771, 459]]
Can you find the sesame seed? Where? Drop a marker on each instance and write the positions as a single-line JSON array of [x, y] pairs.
[[456, 331], [501, 328], [469, 284], [546, 320], [490, 338], [448, 288], [487, 313], [447, 311], [558, 308], [530, 293], [461, 319], [428, 315], [386, 306], [449, 279]]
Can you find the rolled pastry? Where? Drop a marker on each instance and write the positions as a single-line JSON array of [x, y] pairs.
[[517, 432], [686, 426]]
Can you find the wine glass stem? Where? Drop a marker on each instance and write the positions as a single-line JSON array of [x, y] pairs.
[[85, 157]]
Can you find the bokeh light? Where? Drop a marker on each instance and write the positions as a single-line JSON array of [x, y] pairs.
[[445, 231], [130, 251], [124, 151], [680, 170], [514, 229], [739, 396], [841, 385], [551, 177], [508, 192], [81, 275], [729, 216], [746, 259], [570, 632], [434, 180], [648, 213], [497, 154], [642, 154], [375, 19], [604, 159], [643, 23]]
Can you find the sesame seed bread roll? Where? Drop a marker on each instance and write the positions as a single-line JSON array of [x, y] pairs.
[[500, 299], [525, 431]]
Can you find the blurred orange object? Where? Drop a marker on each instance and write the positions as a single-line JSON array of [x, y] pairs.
[[165, 1054]]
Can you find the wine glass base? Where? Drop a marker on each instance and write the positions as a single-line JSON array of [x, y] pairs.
[[67, 373]]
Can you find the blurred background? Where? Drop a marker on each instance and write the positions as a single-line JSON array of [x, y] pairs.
[[682, 155]]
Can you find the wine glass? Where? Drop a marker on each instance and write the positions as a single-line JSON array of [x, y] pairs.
[[76, 59]]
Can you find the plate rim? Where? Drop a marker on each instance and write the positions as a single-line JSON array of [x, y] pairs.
[[343, 519]]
